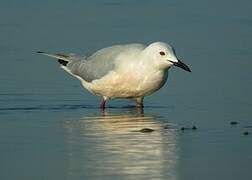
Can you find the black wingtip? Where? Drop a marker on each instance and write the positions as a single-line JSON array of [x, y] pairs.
[[40, 52], [62, 62]]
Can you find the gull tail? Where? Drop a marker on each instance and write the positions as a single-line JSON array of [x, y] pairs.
[[63, 59]]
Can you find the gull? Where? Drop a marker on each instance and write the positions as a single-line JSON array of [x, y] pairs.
[[128, 71]]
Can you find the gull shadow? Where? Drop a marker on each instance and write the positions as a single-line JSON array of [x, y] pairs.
[[129, 143]]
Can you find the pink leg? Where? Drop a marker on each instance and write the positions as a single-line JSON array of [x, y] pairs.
[[102, 105], [139, 102]]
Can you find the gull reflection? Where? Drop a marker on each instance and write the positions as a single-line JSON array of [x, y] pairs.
[[111, 144]]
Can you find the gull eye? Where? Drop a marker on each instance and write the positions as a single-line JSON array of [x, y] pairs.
[[162, 53]]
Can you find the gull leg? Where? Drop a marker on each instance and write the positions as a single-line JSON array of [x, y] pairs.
[[139, 102], [103, 103]]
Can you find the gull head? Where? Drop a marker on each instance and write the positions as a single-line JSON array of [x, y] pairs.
[[164, 56]]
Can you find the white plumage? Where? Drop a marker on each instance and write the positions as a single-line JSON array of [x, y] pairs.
[[123, 71]]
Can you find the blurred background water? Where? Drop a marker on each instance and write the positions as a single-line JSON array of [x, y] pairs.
[[50, 128]]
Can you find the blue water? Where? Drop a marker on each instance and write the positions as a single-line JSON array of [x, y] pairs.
[[51, 128]]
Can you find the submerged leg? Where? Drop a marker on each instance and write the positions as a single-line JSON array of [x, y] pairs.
[[139, 102], [103, 103]]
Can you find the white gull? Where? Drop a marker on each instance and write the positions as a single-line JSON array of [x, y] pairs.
[[130, 71]]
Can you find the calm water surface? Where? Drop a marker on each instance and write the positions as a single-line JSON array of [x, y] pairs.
[[50, 128]]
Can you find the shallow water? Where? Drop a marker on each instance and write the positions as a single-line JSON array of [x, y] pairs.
[[50, 128]]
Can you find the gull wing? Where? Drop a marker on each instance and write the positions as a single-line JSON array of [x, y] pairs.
[[100, 63]]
